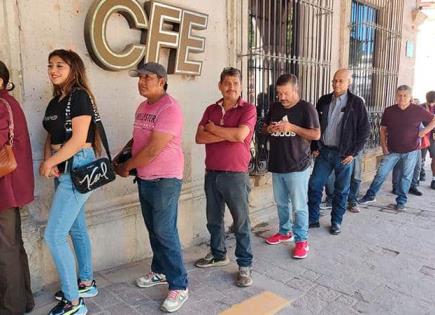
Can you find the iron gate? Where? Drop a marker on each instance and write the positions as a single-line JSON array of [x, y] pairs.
[[374, 55], [286, 36]]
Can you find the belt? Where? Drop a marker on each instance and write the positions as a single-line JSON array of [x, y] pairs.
[[218, 171], [334, 148]]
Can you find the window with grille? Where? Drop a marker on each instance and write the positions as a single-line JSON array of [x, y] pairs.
[[286, 36], [374, 55]]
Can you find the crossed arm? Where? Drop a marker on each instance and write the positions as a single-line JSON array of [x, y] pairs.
[[210, 133]]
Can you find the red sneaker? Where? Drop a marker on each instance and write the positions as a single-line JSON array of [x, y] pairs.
[[278, 238], [301, 250]]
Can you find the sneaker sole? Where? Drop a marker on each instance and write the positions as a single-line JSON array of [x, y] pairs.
[[150, 285], [163, 309], [240, 285], [367, 202], [282, 241], [89, 294], [302, 257], [217, 264]]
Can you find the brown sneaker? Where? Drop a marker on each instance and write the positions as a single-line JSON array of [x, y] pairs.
[[244, 278], [353, 208]]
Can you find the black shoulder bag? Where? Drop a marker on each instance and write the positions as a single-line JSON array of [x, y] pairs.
[[97, 173]]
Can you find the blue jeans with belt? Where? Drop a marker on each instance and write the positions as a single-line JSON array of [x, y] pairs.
[[67, 216], [231, 188], [159, 203], [329, 160]]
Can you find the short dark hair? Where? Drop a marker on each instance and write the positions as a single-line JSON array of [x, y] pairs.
[[287, 79], [430, 97], [231, 72]]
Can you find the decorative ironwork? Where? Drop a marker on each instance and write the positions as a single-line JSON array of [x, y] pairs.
[[374, 55], [286, 36]]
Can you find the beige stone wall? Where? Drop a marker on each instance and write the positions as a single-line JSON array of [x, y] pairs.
[[115, 223]]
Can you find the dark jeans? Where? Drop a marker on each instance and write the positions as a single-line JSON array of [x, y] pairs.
[[15, 292], [229, 188], [329, 160], [355, 182], [159, 202]]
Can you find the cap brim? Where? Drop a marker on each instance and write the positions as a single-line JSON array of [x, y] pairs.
[[136, 73]]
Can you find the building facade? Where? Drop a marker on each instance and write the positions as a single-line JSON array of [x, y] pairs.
[[311, 38]]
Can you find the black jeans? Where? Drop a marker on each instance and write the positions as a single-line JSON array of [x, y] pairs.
[[15, 292], [231, 188]]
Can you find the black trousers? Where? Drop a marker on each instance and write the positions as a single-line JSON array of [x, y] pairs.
[[15, 292]]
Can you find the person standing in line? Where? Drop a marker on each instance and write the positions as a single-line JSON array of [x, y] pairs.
[[16, 190], [158, 159], [291, 123], [67, 73], [345, 129], [226, 129], [400, 139]]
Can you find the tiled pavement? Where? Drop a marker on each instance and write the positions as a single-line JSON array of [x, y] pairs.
[[382, 263]]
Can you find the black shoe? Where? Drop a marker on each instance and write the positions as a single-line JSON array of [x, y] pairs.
[[432, 184], [314, 225], [335, 229], [65, 307], [415, 191]]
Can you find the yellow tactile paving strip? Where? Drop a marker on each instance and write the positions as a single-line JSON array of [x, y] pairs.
[[266, 303]]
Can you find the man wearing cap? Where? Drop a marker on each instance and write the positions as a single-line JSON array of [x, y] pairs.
[[226, 129], [158, 158]]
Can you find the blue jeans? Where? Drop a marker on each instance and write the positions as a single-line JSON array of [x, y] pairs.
[[329, 160], [398, 172], [159, 203], [290, 192], [355, 182], [233, 189], [387, 164], [67, 215]]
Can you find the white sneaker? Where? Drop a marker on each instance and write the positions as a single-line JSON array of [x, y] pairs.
[[151, 279], [175, 300]]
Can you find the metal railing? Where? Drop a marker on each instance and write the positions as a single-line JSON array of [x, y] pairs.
[[286, 36], [374, 55]]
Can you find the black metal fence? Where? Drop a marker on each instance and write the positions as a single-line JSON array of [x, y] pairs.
[[286, 36], [374, 55]]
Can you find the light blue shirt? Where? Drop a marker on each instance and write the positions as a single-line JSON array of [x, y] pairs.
[[331, 136]]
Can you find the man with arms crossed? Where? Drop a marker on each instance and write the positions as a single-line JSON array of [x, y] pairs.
[[226, 129]]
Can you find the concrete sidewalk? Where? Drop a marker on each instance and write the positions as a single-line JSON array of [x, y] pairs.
[[383, 262]]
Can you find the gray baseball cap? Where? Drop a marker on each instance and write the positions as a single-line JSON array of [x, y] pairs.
[[150, 68]]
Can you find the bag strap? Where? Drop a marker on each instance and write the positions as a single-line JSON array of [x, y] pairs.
[[98, 123], [11, 123]]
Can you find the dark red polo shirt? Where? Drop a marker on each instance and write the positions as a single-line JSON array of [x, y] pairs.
[[226, 155], [16, 188], [403, 127]]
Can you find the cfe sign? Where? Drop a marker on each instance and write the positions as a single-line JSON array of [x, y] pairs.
[[163, 26]]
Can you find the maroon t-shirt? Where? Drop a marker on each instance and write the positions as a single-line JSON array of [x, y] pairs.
[[226, 155], [403, 127], [16, 188]]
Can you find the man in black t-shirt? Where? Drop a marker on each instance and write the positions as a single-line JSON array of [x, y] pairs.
[[292, 123]]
